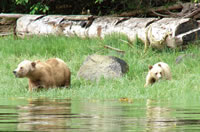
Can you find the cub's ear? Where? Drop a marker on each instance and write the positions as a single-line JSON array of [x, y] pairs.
[[33, 64], [159, 65], [150, 67]]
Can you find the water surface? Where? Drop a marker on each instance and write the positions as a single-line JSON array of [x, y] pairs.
[[99, 116]]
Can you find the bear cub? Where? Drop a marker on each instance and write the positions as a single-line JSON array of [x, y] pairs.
[[158, 71], [51, 73]]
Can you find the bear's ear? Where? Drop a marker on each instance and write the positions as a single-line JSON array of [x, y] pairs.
[[33, 64], [150, 67], [159, 65]]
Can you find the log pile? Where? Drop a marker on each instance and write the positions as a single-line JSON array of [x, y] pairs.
[[155, 32], [171, 26], [179, 10], [6, 26]]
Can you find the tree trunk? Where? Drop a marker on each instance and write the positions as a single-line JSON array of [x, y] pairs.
[[171, 32]]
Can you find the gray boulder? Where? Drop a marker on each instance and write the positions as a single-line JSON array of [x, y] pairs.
[[97, 66]]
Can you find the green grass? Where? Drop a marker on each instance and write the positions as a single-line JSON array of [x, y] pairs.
[[185, 84]]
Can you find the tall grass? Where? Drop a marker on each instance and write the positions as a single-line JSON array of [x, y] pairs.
[[185, 84]]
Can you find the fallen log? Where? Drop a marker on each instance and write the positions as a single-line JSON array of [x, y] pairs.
[[3, 15], [150, 10], [5, 34], [153, 32], [188, 10], [7, 26], [69, 17], [167, 32]]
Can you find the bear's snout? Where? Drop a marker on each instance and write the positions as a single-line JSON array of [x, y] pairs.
[[159, 77], [14, 72]]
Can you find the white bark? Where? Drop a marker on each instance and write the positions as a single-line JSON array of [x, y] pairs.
[[166, 31]]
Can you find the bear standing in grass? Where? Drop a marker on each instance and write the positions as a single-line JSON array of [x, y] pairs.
[[158, 71], [51, 73]]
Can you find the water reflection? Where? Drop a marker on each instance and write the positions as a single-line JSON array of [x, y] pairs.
[[159, 118], [93, 115], [44, 115]]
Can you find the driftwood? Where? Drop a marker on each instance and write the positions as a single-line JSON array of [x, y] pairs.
[[127, 42], [2, 15], [171, 32], [151, 10], [5, 34], [188, 10], [115, 49], [155, 32], [70, 17], [7, 26]]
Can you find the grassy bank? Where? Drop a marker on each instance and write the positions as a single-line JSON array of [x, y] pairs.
[[184, 85]]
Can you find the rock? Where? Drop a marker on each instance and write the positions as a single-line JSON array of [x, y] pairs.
[[97, 66]]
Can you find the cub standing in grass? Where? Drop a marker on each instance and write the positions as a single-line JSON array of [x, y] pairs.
[[51, 73], [158, 71]]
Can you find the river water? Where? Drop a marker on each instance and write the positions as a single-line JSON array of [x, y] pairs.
[[97, 115]]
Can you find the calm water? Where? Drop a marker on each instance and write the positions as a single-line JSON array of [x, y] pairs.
[[99, 116]]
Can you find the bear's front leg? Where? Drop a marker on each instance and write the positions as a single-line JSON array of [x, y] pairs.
[[146, 84], [147, 80], [29, 86], [32, 86]]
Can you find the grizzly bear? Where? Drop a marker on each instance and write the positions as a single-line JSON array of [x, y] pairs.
[[51, 73], [158, 71]]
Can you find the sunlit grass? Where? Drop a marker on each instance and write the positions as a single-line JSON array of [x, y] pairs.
[[184, 85]]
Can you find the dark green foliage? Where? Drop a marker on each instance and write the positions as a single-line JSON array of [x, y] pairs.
[[69, 7]]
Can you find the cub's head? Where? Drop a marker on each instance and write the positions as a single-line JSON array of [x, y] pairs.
[[156, 72], [24, 68]]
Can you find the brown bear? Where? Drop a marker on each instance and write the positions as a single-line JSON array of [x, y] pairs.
[[158, 71], [51, 73]]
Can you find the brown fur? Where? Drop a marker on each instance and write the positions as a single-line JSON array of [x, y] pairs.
[[52, 73]]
